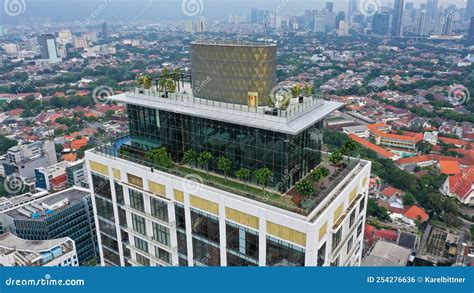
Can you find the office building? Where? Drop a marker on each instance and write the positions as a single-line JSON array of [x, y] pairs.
[[104, 31], [46, 217], [471, 29], [448, 24], [254, 15], [158, 215], [76, 174], [380, 24], [52, 178], [422, 25], [329, 7], [397, 29], [24, 159], [48, 48], [352, 11], [241, 74], [432, 8], [469, 10], [320, 22], [17, 252]]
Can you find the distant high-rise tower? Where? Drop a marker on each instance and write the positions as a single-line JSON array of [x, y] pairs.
[[330, 6], [422, 27], [353, 7], [104, 30], [48, 49], [381, 23], [341, 16], [254, 15], [448, 24], [320, 22], [471, 29], [397, 18], [432, 8], [469, 9]]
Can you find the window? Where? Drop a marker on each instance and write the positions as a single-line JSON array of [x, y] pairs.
[[362, 205], [141, 244], [161, 234], [359, 229], [335, 263], [119, 193], [136, 200], [107, 228], [205, 254], [205, 225], [349, 244], [162, 254], [182, 244], [322, 255], [336, 239], [180, 218], [122, 217], [282, 254], [105, 209], [109, 242], [236, 261], [159, 209], [242, 240], [101, 186], [139, 224], [143, 260], [352, 218]]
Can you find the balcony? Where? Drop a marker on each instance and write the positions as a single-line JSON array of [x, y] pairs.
[[290, 200]]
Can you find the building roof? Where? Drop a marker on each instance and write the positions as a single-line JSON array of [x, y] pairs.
[[415, 212], [298, 121], [392, 191], [425, 158], [390, 235], [450, 167], [8, 240], [385, 254], [375, 129], [461, 184], [79, 143], [367, 144]]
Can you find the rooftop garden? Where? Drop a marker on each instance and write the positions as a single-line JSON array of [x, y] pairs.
[[301, 198]]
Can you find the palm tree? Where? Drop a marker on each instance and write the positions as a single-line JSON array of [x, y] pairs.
[[190, 157], [224, 164], [263, 175]]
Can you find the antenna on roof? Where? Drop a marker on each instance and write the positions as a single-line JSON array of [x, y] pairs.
[[265, 29]]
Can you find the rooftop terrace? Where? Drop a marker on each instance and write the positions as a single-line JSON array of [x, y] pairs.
[[297, 117]]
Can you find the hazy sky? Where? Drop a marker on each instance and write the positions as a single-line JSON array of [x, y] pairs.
[[154, 10]]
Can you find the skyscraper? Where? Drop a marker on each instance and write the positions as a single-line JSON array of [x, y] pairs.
[[353, 7], [189, 214], [448, 24], [253, 15], [397, 18], [104, 32], [329, 7], [422, 26], [432, 8], [471, 29], [380, 24], [469, 10], [48, 48]]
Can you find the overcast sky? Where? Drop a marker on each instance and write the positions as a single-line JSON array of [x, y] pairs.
[[154, 10]]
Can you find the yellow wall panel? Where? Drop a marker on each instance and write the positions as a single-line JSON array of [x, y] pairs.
[[178, 195], [353, 195], [204, 204], [364, 181], [135, 180], [242, 218], [117, 174], [156, 188], [323, 230], [99, 168], [286, 233], [338, 212]]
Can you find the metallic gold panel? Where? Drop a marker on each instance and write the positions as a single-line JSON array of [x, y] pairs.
[[242, 218], [228, 72], [156, 188], [135, 180], [99, 168], [323, 230], [178, 195], [204, 204], [286, 233], [352, 195], [338, 212], [117, 174]]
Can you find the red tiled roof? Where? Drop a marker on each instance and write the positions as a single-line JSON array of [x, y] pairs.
[[390, 235], [450, 167], [391, 191], [416, 213], [71, 157], [79, 143], [425, 158], [453, 141], [379, 150], [375, 129], [461, 184]]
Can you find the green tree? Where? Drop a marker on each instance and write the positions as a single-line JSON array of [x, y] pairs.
[[160, 157], [144, 81], [6, 143], [263, 175], [204, 159], [224, 164], [408, 199], [305, 188], [348, 146], [424, 147], [190, 157], [243, 174], [336, 157]]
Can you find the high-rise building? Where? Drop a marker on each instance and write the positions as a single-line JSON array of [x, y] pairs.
[[432, 8], [448, 24], [353, 8], [48, 49], [67, 213], [24, 159], [105, 32], [341, 16], [329, 6], [380, 24], [320, 22], [397, 18], [17, 252], [254, 15], [234, 72], [422, 26], [469, 10], [471, 29], [191, 210]]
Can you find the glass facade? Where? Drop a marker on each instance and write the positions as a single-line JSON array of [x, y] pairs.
[[289, 157], [242, 246], [283, 254]]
